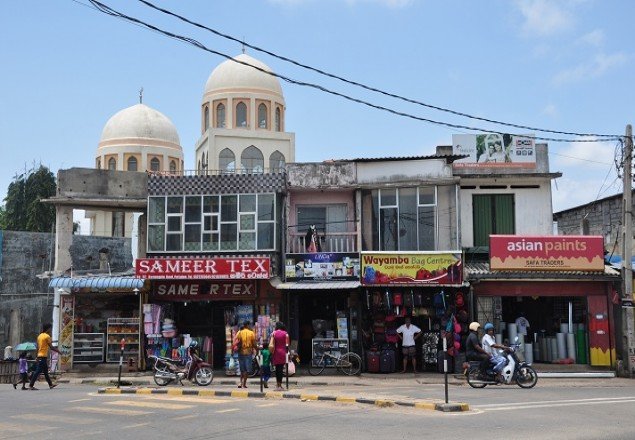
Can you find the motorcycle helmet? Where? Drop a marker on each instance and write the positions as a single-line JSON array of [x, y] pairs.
[[193, 344], [488, 326], [474, 326]]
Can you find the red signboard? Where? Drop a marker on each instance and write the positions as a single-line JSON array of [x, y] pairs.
[[239, 268], [556, 252], [203, 291]]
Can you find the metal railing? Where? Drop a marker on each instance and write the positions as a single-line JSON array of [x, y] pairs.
[[329, 242]]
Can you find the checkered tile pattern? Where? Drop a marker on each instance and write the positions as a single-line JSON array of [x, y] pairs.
[[221, 184]]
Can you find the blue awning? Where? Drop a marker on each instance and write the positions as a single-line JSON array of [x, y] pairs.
[[97, 283]]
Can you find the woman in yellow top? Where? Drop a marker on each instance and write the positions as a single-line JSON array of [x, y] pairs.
[[246, 340], [44, 344]]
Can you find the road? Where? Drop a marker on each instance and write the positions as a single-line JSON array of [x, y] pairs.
[[551, 410]]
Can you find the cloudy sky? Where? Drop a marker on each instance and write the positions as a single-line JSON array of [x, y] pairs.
[[558, 64]]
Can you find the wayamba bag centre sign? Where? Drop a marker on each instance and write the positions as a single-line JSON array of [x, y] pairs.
[[557, 252], [239, 268]]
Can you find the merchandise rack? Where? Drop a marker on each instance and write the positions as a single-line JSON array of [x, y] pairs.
[[118, 328], [88, 348]]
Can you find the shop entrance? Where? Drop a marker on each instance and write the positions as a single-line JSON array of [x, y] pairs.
[[318, 315]]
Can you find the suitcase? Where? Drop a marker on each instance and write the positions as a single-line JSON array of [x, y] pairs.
[[387, 363], [372, 361]]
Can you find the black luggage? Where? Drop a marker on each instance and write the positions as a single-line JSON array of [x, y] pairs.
[[387, 361]]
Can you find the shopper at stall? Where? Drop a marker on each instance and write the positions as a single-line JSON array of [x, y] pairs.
[[266, 365], [278, 345], [246, 341], [409, 333], [522, 324], [44, 345], [473, 350]]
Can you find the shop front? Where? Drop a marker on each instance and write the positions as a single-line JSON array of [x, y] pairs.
[[205, 300], [426, 287], [554, 293]]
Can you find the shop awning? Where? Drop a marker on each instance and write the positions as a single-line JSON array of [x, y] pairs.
[[319, 285], [481, 271], [96, 283]]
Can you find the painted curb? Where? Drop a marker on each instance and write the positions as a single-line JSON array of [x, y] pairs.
[[243, 394]]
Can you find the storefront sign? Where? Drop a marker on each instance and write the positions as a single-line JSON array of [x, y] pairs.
[[494, 150], [558, 252], [203, 291], [203, 268], [322, 266], [65, 343], [412, 268]]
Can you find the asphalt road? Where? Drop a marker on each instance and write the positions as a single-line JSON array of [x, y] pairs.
[[578, 411]]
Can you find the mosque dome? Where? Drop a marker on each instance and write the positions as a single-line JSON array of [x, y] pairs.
[[140, 122], [233, 76]]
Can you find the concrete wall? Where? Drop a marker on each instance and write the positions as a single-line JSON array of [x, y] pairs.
[[397, 172], [89, 183]]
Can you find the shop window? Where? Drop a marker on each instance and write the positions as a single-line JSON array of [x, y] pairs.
[[492, 214], [227, 161], [132, 163], [155, 164], [252, 161], [241, 114], [277, 120], [112, 164], [220, 115], [206, 118], [276, 162], [262, 116]]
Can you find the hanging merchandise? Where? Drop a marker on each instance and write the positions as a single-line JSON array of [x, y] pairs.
[[439, 303], [388, 302], [397, 299]]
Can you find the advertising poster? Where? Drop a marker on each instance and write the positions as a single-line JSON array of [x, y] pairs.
[[65, 343], [322, 266], [412, 268], [494, 150], [556, 252]]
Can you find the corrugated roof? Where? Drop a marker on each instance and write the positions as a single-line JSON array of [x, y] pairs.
[[319, 285], [448, 157], [96, 283], [481, 271]]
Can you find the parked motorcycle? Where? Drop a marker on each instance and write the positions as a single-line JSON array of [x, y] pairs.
[[514, 372], [167, 370]]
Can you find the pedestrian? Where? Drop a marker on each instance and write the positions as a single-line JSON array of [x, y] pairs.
[[473, 349], [23, 367], [266, 365], [44, 345], [409, 333], [246, 341], [279, 345]]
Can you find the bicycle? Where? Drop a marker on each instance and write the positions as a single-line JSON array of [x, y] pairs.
[[348, 363]]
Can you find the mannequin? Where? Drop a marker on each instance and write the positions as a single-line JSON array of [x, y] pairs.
[[312, 240]]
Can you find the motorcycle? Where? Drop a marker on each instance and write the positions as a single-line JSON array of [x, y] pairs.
[[167, 370], [514, 372]]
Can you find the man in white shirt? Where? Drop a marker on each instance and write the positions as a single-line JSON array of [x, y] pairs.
[[522, 324], [409, 333], [491, 347]]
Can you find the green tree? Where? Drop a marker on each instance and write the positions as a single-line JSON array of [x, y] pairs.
[[23, 210]]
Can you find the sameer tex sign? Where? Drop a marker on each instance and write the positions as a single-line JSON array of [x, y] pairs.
[[239, 268], [557, 252]]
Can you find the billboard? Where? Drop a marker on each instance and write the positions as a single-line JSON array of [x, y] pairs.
[[203, 268], [322, 266], [420, 268], [556, 252], [493, 150], [203, 291]]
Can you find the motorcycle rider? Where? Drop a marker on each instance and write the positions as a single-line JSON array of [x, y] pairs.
[[490, 346], [473, 350]]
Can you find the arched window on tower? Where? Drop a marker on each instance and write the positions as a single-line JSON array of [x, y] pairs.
[[206, 116], [132, 163], [276, 162], [220, 115], [278, 115], [241, 114], [173, 166], [262, 116], [252, 161], [227, 161], [112, 164], [155, 164]]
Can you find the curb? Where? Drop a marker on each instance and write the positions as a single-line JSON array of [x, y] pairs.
[[381, 403]]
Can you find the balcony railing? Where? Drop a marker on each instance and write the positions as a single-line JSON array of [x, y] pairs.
[[329, 242]]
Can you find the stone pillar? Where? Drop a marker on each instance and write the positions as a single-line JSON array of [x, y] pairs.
[[142, 236], [63, 238]]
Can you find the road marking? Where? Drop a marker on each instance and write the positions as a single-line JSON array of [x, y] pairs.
[[557, 405], [594, 399], [146, 403], [267, 405], [190, 416], [222, 411], [78, 400], [23, 429], [56, 418], [101, 410], [193, 399], [138, 425]]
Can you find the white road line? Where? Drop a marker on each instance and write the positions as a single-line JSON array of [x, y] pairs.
[[78, 400], [267, 405], [190, 416], [556, 405], [222, 411], [595, 399], [148, 404], [115, 411], [138, 425], [56, 418]]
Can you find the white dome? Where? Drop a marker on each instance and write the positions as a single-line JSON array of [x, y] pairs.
[[232, 75], [142, 122]]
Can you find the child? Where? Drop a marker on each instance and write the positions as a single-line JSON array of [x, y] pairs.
[[266, 365], [24, 368]]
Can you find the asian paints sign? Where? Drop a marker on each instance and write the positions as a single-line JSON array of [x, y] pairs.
[[411, 268], [203, 268], [558, 252]]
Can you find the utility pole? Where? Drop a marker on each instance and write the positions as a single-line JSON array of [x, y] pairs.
[[627, 266]]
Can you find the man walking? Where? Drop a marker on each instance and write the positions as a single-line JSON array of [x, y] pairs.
[[408, 333], [246, 340], [44, 344]]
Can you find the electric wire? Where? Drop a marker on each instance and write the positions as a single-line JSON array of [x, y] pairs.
[[112, 12], [364, 86]]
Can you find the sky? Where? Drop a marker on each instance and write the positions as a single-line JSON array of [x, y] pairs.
[[558, 64]]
